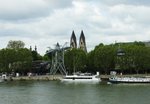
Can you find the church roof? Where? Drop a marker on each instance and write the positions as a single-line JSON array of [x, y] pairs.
[[73, 37], [82, 36]]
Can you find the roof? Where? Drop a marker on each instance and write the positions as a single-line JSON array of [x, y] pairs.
[[82, 36], [73, 37]]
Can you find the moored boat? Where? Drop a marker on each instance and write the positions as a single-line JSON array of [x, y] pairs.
[[129, 80], [3, 78], [81, 77]]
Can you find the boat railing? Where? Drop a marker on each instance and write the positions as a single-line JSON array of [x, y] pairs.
[[82, 74]]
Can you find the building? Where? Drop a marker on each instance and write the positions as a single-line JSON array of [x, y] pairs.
[[147, 43], [82, 42], [73, 41]]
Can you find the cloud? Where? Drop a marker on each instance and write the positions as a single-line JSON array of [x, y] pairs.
[[29, 9], [22, 9], [46, 22], [126, 2]]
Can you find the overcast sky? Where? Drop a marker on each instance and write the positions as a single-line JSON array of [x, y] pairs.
[[45, 22]]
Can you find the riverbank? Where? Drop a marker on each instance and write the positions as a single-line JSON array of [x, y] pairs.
[[37, 78], [58, 77]]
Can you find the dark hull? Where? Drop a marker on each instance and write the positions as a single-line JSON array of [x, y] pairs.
[[116, 82]]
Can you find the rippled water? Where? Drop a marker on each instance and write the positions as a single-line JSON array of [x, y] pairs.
[[53, 92]]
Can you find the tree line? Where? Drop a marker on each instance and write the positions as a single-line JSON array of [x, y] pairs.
[[127, 58], [16, 58]]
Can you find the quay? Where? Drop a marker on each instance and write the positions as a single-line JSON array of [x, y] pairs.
[[45, 78], [105, 77], [37, 78], [58, 77]]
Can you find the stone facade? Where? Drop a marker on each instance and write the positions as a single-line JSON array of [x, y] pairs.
[[73, 41], [82, 42]]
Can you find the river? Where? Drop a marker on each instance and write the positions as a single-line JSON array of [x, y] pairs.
[[55, 92]]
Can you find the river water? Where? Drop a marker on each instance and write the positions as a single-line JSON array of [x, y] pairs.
[[55, 92]]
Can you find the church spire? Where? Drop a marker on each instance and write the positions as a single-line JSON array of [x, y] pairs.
[[30, 48], [73, 42], [82, 43], [35, 48]]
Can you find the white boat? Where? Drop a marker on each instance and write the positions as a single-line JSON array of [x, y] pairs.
[[3, 77], [81, 77], [129, 80], [1, 80]]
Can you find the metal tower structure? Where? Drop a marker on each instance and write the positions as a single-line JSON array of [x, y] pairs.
[[58, 59]]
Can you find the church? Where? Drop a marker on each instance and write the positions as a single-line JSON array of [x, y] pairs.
[[82, 43]]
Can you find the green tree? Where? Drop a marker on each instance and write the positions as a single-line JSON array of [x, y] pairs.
[[24, 60], [46, 57], [36, 56], [75, 60], [104, 58], [139, 58], [7, 56], [91, 62], [15, 44], [15, 58], [135, 59]]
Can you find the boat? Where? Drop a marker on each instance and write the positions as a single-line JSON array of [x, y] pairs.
[[129, 80], [1, 80], [3, 77], [81, 77]]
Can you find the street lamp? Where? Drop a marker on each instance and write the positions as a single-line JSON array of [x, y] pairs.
[[120, 52]]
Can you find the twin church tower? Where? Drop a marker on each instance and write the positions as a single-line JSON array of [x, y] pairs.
[[82, 43]]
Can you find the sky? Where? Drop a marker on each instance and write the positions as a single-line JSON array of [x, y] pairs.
[[45, 22]]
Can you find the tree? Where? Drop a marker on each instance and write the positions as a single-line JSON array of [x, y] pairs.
[[136, 58], [15, 60], [46, 57], [75, 60], [104, 58], [140, 58], [36, 56], [15, 44], [25, 58], [91, 62], [7, 56]]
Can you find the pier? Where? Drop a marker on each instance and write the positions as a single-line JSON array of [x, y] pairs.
[[37, 78]]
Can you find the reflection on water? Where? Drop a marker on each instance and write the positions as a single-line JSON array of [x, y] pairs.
[[55, 92]]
